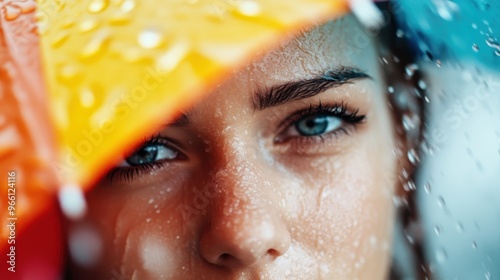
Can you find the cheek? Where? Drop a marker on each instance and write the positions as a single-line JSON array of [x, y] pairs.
[[346, 213], [142, 228]]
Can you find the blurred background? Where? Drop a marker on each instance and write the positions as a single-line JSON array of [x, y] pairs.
[[458, 183]]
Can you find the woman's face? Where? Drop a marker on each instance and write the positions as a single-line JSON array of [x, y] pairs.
[[285, 171]]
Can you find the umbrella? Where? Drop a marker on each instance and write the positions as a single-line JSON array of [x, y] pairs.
[[90, 78]]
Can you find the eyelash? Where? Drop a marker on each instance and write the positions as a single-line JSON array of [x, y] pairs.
[[339, 110], [128, 173], [352, 119]]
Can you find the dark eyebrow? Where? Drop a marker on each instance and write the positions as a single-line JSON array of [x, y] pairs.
[[181, 120], [278, 95]]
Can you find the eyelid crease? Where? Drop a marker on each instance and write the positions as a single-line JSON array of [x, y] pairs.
[[278, 95]]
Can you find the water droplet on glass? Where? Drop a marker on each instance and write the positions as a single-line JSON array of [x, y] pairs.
[[474, 245], [127, 5], [437, 230], [475, 47], [119, 18], [459, 227], [88, 25], [249, 8], [493, 43], [413, 157], [441, 203], [60, 39], [97, 6], [169, 60], [409, 186], [96, 45], [422, 85], [446, 9], [441, 255], [427, 188], [410, 122], [11, 12], [487, 275], [87, 98], [411, 69], [474, 26], [483, 5], [400, 33], [150, 38]]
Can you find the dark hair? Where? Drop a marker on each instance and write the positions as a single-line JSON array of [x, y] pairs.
[[406, 97]]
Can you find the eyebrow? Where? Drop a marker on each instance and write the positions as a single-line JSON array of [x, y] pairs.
[[284, 93]]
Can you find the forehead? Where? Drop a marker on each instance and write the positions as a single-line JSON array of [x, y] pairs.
[[305, 54]]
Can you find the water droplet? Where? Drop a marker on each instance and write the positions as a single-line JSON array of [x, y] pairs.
[[474, 245], [483, 5], [10, 140], [493, 43], [390, 89], [169, 60], [96, 45], [441, 255], [60, 39], [249, 8], [474, 26], [127, 6], [119, 18], [446, 9], [487, 275], [422, 85], [439, 63], [409, 186], [441, 203], [413, 157], [87, 98], [427, 188], [11, 12], [437, 230], [148, 220], [410, 122], [97, 6], [459, 227], [68, 73], [400, 33], [475, 47], [88, 25], [150, 38], [411, 69], [151, 200]]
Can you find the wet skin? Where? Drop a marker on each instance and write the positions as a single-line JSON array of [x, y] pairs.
[[285, 171]]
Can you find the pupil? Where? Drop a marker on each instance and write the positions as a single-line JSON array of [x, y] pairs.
[[143, 156], [311, 126]]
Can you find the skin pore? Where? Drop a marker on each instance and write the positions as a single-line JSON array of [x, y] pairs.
[[285, 171]]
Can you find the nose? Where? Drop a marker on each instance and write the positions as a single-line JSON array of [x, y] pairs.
[[243, 229]]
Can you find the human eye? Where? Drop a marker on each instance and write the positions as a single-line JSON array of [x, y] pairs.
[[153, 154], [319, 122]]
